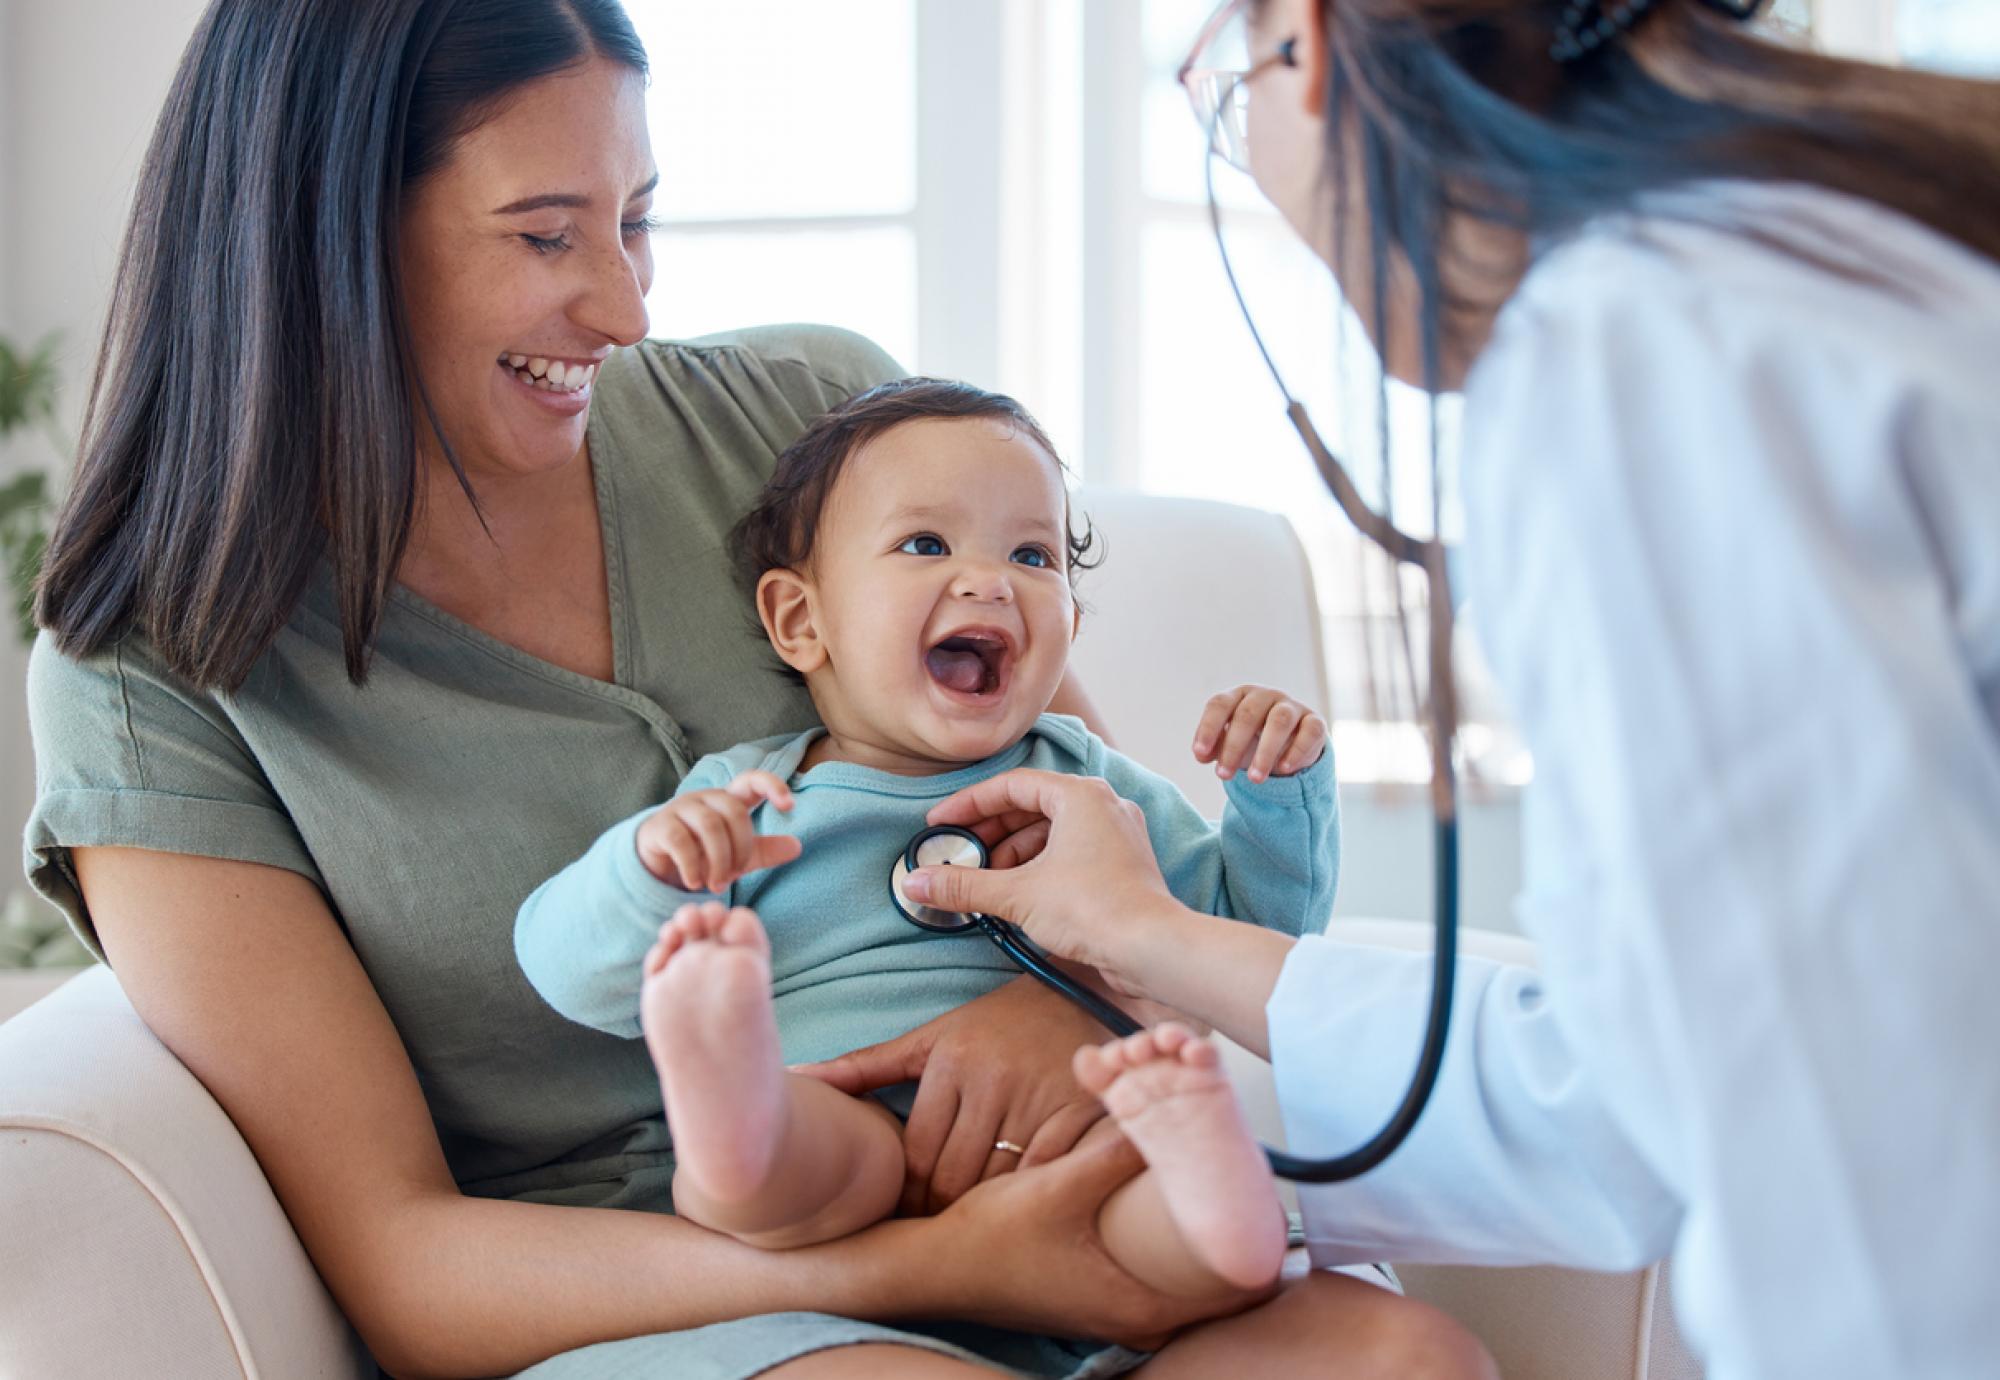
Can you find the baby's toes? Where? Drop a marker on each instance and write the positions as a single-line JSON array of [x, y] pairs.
[[1095, 1067], [741, 926], [704, 921], [1170, 1038], [1134, 1050], [656, 957], [1197, 1053]]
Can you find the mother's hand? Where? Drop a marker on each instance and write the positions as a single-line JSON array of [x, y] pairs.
[[997, 1068], [1024, 1252]]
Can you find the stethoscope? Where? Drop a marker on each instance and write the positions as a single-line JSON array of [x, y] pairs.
[[948, 846]]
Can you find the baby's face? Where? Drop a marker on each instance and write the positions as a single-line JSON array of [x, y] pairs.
[[941, 590]]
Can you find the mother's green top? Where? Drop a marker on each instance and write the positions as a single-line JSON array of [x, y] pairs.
[[430, 802]]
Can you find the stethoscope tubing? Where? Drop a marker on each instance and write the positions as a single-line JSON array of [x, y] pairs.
[[1010, 940], [1017, 946]]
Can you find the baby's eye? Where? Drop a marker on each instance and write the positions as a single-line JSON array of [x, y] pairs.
[[923, 544], [1036, 556]]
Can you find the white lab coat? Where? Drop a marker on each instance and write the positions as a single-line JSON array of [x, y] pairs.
[[1734, 552]]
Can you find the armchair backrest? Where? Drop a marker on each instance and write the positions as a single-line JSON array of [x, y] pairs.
[[1193, 597]]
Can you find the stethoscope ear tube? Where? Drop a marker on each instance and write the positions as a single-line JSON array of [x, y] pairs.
[[1406, 550]]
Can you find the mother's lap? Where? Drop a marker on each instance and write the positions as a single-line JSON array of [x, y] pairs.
[[1319, 1324]]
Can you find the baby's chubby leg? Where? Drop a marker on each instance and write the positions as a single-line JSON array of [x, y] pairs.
[[766, 1156], [1205, 1214]]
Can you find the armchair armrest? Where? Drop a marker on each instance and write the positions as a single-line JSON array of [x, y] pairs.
[[140, 1237]]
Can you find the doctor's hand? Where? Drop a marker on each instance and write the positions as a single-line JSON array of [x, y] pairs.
[[997, 1068], [704, 840], [1264, 731], [1091, 891]]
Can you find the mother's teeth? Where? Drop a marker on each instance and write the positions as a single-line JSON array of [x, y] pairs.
[[556, 376], [538, 367], [517, 361]]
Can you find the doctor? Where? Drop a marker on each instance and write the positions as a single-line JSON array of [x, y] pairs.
[[1727, 319]]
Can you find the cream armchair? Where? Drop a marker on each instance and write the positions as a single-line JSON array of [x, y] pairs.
[[138, 1237]]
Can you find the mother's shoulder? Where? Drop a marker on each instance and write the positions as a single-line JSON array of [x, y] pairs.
[[839, 361]]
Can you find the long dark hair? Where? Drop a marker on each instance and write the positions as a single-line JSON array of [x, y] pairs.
[[255, 406], [1442, 111]]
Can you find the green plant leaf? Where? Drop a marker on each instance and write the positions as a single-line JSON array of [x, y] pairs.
[[27, 385]]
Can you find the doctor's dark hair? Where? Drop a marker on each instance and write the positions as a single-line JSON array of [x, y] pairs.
[[780, 529], [1441, 111], [255, 406]]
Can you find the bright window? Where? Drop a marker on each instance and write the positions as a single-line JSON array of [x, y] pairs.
[[1011, 191], [1960, 36], [788, 169]]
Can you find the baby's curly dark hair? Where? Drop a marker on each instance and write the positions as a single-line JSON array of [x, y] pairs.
[[778, 531]]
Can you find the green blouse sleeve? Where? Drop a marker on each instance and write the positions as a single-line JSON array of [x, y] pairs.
[[817, 367], [128, 755]]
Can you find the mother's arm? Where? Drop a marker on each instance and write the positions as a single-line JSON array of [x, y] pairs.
[[243, 972]]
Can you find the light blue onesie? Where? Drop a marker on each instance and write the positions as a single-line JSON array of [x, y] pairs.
[[847, 969]]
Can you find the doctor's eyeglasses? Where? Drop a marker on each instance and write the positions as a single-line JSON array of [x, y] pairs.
[[1216, 78]]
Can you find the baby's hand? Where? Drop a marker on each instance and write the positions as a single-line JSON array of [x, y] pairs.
[[1267, 729], [704, 840]]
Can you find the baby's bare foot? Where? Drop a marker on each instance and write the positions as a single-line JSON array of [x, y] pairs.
[[1171, 1098], [706, 1009]]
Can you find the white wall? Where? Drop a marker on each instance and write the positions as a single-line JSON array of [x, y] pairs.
[[1386, 854], [80, 84]]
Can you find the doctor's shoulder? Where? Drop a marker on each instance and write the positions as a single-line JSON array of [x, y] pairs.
[[1751, 268]]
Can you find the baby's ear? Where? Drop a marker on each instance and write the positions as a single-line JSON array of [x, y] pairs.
[[785, 604]]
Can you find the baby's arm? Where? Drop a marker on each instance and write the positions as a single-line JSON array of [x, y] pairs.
[[581, 937], [1273, 861]]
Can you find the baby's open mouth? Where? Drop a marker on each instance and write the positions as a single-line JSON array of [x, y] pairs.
[[972, 662]]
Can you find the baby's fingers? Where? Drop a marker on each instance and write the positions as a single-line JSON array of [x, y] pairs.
[[757, 784], [1215, 717], [1279, 725], [670, 852], [1246, 725], [735, 817], [1307, 745], [771, 850], [717, 843]]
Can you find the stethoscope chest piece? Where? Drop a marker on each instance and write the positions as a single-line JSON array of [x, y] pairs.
[[945, 845]]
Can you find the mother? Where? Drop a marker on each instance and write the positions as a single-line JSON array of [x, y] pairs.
[[391, 574]]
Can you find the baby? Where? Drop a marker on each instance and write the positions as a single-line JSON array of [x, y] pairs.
[[912, 558]]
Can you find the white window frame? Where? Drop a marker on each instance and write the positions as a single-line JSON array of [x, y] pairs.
[[955, 221]]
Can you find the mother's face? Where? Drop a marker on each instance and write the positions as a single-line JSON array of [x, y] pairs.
[[531, 245]]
